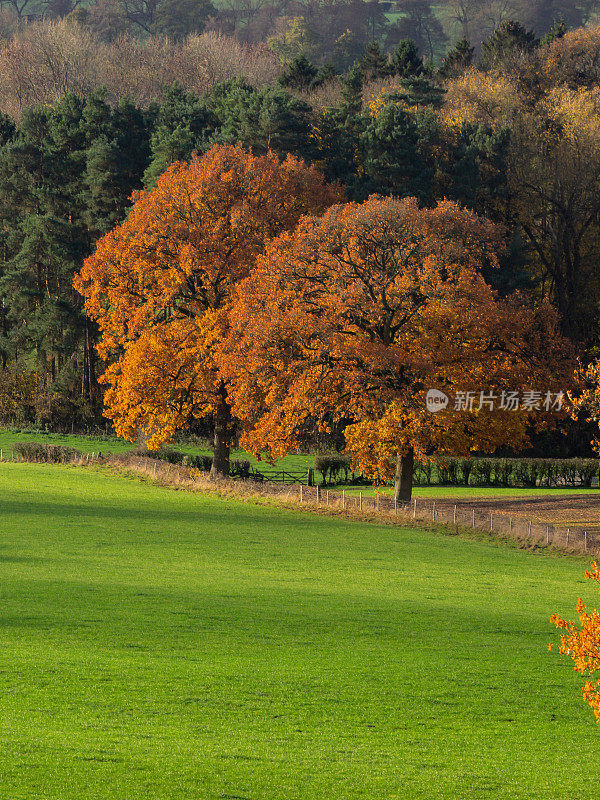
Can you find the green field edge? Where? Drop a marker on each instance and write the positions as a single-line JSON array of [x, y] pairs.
[[496, 539], [293, 462]]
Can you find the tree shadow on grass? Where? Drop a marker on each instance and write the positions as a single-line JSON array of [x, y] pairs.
[[139, 512]]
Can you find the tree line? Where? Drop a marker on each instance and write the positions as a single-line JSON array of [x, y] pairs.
[[138, 48], [511, 135], [335, 31], [249, 290]]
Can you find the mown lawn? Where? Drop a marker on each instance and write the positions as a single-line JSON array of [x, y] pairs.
[[158, 644]]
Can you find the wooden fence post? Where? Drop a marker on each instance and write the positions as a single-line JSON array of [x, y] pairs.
[[547, 534], [433, 511], [415, 509], [568, 534], [585, 540], [318, 494], [395, 504], [343, 499], [360, 501], [491, 521], [473, 517], [300, 492]]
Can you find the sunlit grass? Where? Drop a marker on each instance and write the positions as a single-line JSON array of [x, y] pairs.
[[161, 644]]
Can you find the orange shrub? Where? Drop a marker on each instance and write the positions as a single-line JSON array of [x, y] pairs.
[[583, 644]]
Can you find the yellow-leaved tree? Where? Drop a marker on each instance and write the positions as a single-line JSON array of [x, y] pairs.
[[160, 285], [355, 315], [552, 172]]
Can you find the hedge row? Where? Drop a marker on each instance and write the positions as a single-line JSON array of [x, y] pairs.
[[332, 467], [510, 472], [45, 453], [237, 468], [529, 472]]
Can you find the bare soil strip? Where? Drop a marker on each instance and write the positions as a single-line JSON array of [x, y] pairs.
[[569, 510]]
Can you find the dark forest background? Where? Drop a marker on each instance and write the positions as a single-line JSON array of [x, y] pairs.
[[493, 103]]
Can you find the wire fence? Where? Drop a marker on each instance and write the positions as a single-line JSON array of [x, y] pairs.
[[585, 539], [458, 515]]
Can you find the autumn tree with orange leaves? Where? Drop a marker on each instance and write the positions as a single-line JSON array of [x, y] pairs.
[[355, 315], [160, 285], [585, 403], [583, 644]]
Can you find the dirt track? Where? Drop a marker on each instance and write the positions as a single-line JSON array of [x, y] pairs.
[[568, 510]]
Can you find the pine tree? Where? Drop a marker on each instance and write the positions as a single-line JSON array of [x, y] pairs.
[[394, 159], [458, 59], [262, 120], [374, 64], [557, 31], [46, 240], [406, 61], [300, 74], [341, 132], [115, 162], [352, 93], [421, 92], [183, 125], [67, 175], [472, 167], [509, 40], [335, 147], [327, 73]]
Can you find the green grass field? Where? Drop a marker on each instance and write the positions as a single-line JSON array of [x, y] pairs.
[[87, 444], [111, 444], [160, 644], [295, 462]]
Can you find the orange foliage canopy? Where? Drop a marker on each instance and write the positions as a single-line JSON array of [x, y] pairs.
[[160, 284], [583, 644], [356, 314], [586, 403]]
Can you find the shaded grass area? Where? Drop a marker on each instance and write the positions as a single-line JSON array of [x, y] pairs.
[[158, 644]]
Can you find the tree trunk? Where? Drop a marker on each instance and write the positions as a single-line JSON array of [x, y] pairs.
[[142, 438], [404, 476], [91, 363], [220, 465]]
